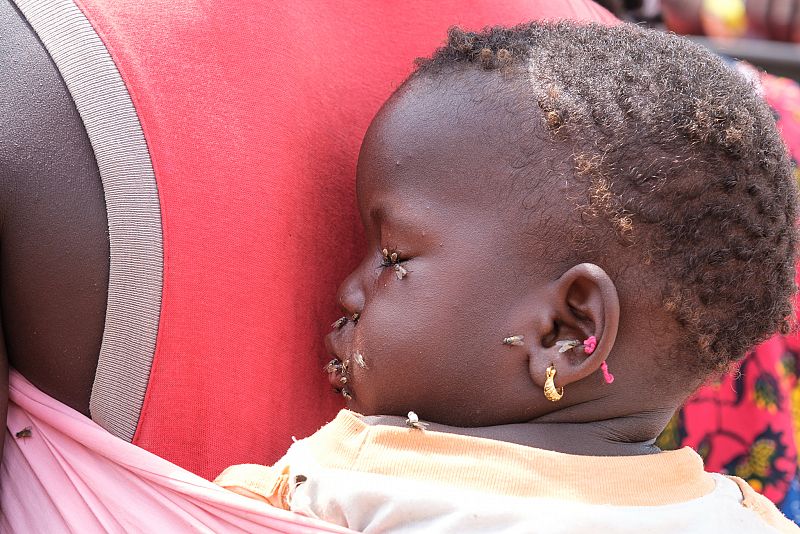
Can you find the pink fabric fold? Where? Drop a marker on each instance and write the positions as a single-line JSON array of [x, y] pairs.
[[70, 475]]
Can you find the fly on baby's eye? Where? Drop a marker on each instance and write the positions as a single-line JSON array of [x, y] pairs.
[[393, 260]]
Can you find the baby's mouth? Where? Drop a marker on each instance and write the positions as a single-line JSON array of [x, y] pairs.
[[336, 373], [337, 376], [340, 368]]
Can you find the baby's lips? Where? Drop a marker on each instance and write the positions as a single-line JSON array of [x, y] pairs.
[[335, 374], [334, 366], [338, 344]]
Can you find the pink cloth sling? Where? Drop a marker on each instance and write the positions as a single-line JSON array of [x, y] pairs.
[[71, 475]]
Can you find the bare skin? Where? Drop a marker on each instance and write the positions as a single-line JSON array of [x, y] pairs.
[[482, 265], [54, 248]]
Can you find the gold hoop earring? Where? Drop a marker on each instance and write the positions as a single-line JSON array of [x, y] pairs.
[[551, 393]]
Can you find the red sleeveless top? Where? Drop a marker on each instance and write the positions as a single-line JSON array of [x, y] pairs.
[[251, 114]]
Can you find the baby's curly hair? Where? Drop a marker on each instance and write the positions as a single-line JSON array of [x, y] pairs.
[[680, 160]]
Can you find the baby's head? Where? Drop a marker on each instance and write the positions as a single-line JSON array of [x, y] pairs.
[[558, 182]]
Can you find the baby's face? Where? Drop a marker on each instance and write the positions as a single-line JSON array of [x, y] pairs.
[[435, 188]]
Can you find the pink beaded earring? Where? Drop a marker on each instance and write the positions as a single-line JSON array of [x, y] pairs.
[[606, 375], [588, 344]]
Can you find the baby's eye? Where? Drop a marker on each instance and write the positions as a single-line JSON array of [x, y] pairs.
[[393, 260], [390, 258]]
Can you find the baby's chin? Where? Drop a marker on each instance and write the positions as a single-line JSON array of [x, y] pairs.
[[366, 409]]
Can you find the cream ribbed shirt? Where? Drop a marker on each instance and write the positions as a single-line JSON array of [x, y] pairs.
[[380, 479]]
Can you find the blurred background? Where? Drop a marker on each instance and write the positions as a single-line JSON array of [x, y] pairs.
[[765, 33]]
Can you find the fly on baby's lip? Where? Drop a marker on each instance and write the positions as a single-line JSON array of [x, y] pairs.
[[336, 373], [340, 366]]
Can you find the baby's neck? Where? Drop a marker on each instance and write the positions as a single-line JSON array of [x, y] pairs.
[[613, 437]]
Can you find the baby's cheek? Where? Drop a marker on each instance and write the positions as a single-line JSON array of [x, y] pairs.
[[424, 335]]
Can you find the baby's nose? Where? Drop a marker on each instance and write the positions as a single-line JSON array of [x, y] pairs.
[[351, 295]]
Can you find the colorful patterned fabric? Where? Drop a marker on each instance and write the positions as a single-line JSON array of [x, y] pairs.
[[748, 423]]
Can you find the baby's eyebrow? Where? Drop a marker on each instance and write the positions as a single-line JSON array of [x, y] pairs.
[[382, 215]]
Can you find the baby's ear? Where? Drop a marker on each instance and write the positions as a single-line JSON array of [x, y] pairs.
[[582, 304]]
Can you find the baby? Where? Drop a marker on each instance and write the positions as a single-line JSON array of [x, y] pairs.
[[570, 228]]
